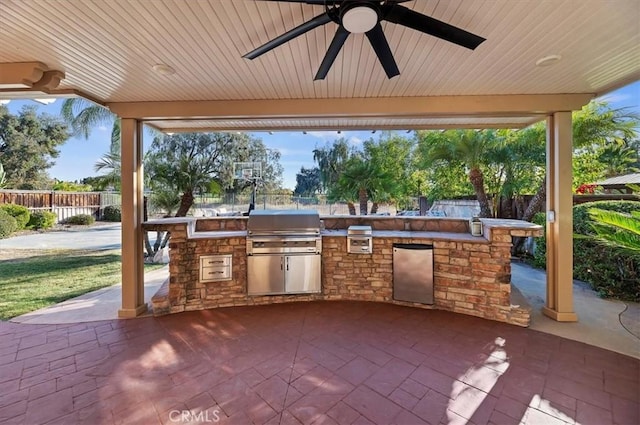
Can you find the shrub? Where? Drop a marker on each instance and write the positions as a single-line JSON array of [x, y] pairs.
[[20, 213], [611, 271], [82, 219], [42, 220], [112, 213], [8, 224], [540, 253]]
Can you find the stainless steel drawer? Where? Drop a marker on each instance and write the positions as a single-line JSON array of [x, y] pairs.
[[210, 274], [215, 260], [215, 267]]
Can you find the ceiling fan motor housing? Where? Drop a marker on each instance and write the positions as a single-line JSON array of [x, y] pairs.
[[359, 17]]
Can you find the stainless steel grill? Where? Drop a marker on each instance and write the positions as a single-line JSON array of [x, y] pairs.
[[284, 248], [283, 231], [359, 240]]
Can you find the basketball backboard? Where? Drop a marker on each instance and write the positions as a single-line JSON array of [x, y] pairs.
[[247, 170]]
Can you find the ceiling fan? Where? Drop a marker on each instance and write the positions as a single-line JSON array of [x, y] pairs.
[[364, 16]]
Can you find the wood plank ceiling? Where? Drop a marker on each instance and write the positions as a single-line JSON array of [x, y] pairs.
[[107, 50]]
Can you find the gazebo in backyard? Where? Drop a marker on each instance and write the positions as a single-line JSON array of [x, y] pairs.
[[178, 66]]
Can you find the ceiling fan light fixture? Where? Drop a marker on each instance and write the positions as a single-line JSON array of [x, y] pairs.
[[359, 19]]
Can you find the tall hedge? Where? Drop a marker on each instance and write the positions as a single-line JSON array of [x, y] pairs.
[[610, 271]]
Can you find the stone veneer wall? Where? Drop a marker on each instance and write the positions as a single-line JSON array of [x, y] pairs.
[[469, 277]]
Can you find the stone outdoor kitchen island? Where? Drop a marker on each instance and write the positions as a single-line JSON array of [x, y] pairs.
[[471, 274]]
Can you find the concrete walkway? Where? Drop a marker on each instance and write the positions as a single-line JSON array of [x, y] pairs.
[[610, 324], [97, 237], [102, 304]]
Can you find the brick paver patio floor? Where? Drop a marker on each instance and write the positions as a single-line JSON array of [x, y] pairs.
[[325, 363]]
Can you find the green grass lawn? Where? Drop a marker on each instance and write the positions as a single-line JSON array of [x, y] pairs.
[[45, 278]]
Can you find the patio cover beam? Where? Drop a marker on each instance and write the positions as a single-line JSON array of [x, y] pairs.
[[389, 107]]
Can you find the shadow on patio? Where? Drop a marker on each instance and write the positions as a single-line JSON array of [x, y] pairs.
[[325, 362]]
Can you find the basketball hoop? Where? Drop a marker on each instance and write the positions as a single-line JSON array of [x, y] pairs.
[[247, 171]]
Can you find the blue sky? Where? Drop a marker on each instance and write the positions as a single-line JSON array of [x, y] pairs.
[[77, 155]]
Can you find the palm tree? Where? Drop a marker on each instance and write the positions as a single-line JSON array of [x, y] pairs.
[[364, 180], [619, 159], [469, 147], [595, 124], [617, 229], [82, 116], [3, 176], [111, 163]]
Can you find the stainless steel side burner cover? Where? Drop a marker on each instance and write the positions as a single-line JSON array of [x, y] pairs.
[[359, 240]]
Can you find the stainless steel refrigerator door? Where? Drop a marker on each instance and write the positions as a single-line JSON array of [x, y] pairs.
[[302, 274], [413, 273], [265, 274]]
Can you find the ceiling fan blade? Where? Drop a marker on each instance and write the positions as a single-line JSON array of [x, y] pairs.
[[381, 47], [332, 52], [409, 18], [289, 35], [324, 2], [320, 2]]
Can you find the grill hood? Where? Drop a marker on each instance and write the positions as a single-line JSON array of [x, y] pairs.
[[267, 222]]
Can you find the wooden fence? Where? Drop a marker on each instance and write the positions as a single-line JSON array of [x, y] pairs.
[[63, 204]]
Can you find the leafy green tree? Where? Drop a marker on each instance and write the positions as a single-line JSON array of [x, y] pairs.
[[28, 145], [72, 187], [96, 182], [391, 154], [246, 148], [308, 182], [188, 162], [331, 160], [441, 179]]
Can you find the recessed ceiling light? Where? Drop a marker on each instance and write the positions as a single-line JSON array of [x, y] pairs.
[[548, 60], [163, 69]]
